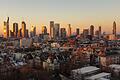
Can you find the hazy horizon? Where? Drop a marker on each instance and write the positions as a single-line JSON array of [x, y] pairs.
[[78, 13]]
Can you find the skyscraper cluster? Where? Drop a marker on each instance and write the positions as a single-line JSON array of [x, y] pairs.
[[16, 32], [56, 32]]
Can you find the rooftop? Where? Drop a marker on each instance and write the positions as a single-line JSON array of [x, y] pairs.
[[85, 70], [97, 76]]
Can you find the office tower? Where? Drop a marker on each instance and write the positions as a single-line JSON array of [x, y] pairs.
[[92, 30], [15, 29], [114, 28], [63, 33], [6, 28], [85, 33], [44, 30], [100, 31], [11, 34], [56, 31], [97, 33], [33, 31], [69, 30], [20, 33], [51, 29], [77, 31], [27, 33], [23, 29]]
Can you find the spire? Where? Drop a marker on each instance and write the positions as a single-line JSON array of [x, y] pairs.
[[8, 20]]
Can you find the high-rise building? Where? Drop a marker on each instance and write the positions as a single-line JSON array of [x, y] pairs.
[[51, 29], [100, 31], [77, 31], [24, 29], [6, 28], [92, 30], [63, 33], [114, 28], [44, 30], [85, 33], [27, 33], [97, 33], [33, 31], [15, 29], [20, 33], [69, 30], [56, 31], [11, 34]]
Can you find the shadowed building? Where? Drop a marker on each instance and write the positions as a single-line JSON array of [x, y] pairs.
[[77, 31], [63, 33], [92, 30], [114, 28], [56, 31], [85, 33], [33, 31], [20, 33], [15, 29]]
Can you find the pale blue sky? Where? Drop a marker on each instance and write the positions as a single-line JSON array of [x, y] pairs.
[[80, 13]]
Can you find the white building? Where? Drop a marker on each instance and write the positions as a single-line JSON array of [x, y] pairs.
[[100, 76], [79, 74], [115, 68]]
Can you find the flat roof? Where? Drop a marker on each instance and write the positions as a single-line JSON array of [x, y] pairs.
[[115, 66], [103, 79], [86, 69], [97, 76]]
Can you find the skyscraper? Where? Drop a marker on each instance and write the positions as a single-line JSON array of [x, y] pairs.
[[24, 29], [15, 29], [27, 33], [20, 33], [100, 32], [56, 30], [97, 33], [63, 33], [44, 30], [6, 28], [11, 34], [77, 31], [69, 30], [33, 31], [92, 30], [51, 29], [114, 28], [85, 33]]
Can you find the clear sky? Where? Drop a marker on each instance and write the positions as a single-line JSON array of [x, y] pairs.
[[79, 13]]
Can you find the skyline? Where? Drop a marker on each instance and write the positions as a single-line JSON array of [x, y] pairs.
[[78, 13]]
